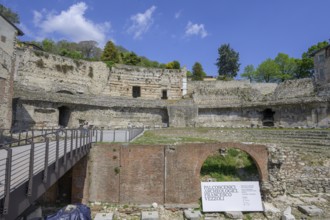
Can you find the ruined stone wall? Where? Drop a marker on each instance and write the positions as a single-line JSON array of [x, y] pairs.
[[171, 174], [8, 36], [299, 115], [221, 93], [51, 73], [297, 172], [229, 117], [6, 89], [54, 79], [152, 82], [32, 114], [7, 58], [241, 104], [244, 93], [322, 71], [294, 89], [118, 117], [29, 115]]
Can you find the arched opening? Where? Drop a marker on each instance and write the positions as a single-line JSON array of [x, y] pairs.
[[268, 117], [64, 116], [229, 164]]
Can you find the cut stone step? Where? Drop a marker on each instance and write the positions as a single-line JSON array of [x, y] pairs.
[[192, 214], [104, 216], [149, 215], [310, 210]]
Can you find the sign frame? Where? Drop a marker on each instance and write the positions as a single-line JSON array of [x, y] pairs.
[[241, 196]]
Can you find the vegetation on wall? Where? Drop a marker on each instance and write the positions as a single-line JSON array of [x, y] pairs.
[[117, 54], [9, 14], [63, 68], [40, 63], [235, 165]]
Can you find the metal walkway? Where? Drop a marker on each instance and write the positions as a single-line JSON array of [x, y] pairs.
[[29, 166]]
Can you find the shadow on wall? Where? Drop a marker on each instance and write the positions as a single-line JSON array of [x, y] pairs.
[[64, 116], [21, 117]]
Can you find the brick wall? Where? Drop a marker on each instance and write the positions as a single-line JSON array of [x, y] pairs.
[[146, 174]]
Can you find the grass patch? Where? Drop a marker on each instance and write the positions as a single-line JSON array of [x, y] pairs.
[[236, 165], [150, 137]]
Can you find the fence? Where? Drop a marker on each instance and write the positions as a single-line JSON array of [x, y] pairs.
[[24, 155], [120, 135], [23, 137]]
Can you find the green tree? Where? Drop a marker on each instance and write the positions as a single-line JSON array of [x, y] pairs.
[[249, 73], [228, 62], [286, 65], [173, 65], [49, 46], [198, 72], [88, 49], [305, 66], [110, 53], [9, 14], [131, 59], [189, 74], [268, 71], [71, 53]]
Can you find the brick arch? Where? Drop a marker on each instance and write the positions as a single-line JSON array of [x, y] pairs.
[[184, 163], [258, 153]]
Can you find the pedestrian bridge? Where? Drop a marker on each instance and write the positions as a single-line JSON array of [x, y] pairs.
[[36, 159]]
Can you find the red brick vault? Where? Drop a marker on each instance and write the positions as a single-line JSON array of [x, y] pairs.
[[145, 174]]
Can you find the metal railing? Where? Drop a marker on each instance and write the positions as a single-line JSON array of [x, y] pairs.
[[121, 135], [24, 158], [27, 154]]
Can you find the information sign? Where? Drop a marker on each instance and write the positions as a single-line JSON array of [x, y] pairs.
[[231, 196]]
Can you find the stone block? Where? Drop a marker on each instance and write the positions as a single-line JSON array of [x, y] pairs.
[[104, 216], [192, 215], [310, 210], [287, 214], [234, 215], [149, 215]]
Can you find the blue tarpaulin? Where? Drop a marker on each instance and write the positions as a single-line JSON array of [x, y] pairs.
[[72, 212]]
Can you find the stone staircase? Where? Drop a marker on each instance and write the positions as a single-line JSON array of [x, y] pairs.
[[313, 141], [308, 140]]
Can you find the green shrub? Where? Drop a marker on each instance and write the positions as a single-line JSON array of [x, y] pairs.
[[227, 167]]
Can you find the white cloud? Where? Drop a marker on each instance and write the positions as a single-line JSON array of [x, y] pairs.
[[177, 15], [195, 29], [141, 22], [25, 29], [71, 24]]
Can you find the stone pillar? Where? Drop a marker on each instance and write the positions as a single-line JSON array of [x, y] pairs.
[[315, 116], [182, 116]]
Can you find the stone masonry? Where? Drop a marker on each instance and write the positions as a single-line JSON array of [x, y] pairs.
[[8, 33], [125, 96]]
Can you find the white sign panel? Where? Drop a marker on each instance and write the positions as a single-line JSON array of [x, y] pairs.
[[231, 196]]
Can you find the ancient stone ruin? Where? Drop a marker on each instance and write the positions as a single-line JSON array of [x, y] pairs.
[[55, 91], [39, 90]]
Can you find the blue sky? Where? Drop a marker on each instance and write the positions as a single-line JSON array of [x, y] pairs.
[[183, 30]]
